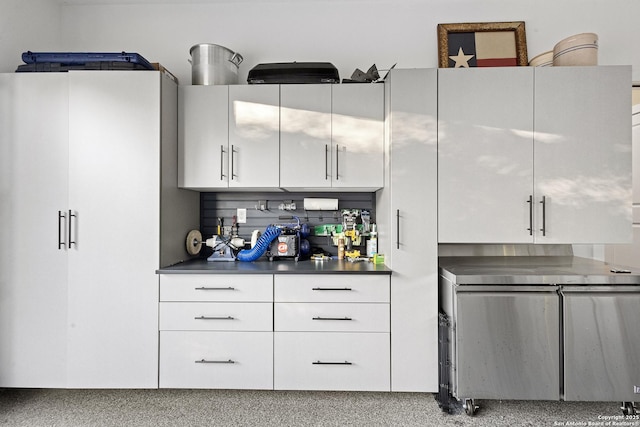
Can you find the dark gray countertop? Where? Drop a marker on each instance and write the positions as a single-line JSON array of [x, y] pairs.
[[529, 270], [202, 266]]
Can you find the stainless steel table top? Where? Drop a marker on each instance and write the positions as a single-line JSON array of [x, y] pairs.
[[533, 270]]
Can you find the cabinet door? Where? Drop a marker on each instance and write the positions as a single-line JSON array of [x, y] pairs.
[[583, 154], [485, 143], [601, 345], [254, 136], [203, 136], [357, 127], [305, 136], [508, 345], [412, 100], [114, 195], [33, 252]]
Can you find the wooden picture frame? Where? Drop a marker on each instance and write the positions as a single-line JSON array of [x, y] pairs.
[[504, 40]]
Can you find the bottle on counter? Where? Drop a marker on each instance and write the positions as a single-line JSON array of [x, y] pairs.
[[372, 244], [341, 248]]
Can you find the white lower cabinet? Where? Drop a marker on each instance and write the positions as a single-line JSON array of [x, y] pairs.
[[206, 359], [282, 331], [216, 331], [331, 361], [331, 332]]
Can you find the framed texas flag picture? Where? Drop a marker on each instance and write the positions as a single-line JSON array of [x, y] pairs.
[[483, 44]]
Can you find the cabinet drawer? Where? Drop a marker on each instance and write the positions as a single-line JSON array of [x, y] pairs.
[[331, 317], [216, 287], [331, 361], [211, 316], [216, 360], [331, 288]]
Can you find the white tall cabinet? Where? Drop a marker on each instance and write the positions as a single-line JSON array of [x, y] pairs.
[[34, 158], [534, 155], [114, 164], [407, 210], [86, 187]]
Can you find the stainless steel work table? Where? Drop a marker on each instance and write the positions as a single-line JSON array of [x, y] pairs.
[[530, 327], [538, 270]]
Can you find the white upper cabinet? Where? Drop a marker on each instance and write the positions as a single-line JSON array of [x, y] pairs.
[[203, 136], [229, 137], [254, 136], [357, 136], [485, 154], [582, 154], [332, 136], [305, 136], [294, 136], [534, 155]]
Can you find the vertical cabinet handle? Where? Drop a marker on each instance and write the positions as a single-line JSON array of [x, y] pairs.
[[337, 162], [61, 218], [530, 229], [544, 215], [233, 170], [222, 175], [71, 225], [326, 162], [398, 228]]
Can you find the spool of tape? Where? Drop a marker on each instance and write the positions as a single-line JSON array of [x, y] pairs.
[[194, 242]]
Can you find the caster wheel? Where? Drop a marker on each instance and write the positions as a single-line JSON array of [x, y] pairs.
[[628, 408], [470, 407]]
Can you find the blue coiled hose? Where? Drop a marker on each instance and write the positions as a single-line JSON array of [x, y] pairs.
[[261, 246]]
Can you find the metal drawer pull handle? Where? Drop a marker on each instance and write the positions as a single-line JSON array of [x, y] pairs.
[[331, 289], [215, 361], [332, 318], [331, 363], [214, 318], [204, 288]]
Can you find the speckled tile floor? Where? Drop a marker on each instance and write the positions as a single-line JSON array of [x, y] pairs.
[[140, 408]]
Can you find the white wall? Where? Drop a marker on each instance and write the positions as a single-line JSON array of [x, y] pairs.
[[349, 33], [27, 25]]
